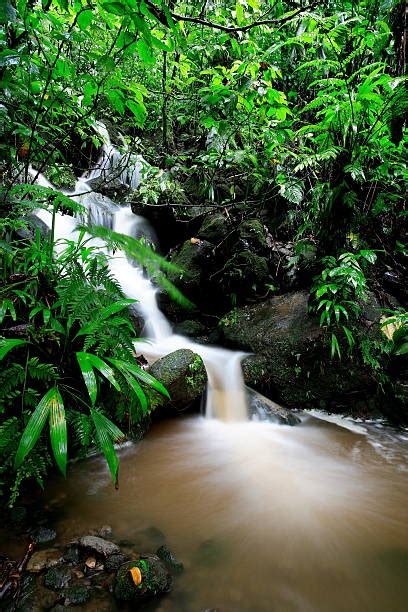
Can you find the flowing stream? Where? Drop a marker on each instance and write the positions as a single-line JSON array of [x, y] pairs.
[[265, 517]]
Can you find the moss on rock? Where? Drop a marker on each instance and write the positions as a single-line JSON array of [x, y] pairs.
[[156, 579], [183, 374]]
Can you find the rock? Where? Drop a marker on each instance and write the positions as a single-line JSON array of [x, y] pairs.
[[42, 535], [172, 563], [265, 409], [156, 579], [191, 329], [252, 234], [245, 272], [114, 562], [184, 376], [214, 228], [72, 555], [30, 227], [44, 559], [192, 259], [294, 353], [105, 532], [76, 595], [57, 578], [111, 187], [99, 545]]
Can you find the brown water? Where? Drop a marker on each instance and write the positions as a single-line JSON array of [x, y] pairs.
[[265, 518]]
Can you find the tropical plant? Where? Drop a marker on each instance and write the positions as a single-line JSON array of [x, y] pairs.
[[338, 293]]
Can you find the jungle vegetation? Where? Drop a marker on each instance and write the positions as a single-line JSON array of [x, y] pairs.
[[291, 107]]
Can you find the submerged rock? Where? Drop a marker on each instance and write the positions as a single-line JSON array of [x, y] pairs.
[[98, 545], [265, 409], [171, 561], [183, 374], [155, 579]]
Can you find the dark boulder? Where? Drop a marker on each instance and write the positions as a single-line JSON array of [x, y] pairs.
[[292, 357], [98, 545]]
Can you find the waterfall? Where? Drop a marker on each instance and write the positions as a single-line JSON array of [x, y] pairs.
[[226, 396]]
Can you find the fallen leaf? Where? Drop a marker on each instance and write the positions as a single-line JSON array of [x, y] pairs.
[[136, 575]]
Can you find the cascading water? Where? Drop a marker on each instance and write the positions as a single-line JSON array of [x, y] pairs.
[[226, 396]]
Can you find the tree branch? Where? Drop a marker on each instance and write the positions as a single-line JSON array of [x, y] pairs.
[[161, 16]]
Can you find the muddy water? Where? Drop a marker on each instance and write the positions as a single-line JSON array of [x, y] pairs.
[[264, 517]]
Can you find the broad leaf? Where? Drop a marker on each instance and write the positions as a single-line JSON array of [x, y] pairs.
[[58, 432], [36, 424], [6, 345]]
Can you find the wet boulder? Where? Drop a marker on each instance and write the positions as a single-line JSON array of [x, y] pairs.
[[57, 578], [292, 356], [44, 559], [98, 545], [183, 374], [191, 329], [146, 577], [262, 408], [214, 228], [193, 259], [112, 187], [245, 272]]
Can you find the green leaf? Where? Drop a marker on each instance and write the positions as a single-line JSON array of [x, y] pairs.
[[104, 314], [133, 384], [58, 432], [335, 348], [147, 378], [84, 19], [35, 425], [88, 361], [115, 8], [138, 109], [105, 443], [8, 13], [7, 345]]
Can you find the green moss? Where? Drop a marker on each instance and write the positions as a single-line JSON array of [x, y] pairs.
[[155, 579]]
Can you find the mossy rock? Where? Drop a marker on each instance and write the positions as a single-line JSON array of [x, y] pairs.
[[214, 228], [245, 272], [192, 260], [253, 233], [155, 579], [191, 329], [183, 374], [293, 356]]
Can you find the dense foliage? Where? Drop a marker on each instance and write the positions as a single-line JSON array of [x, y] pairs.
[[287, 112]]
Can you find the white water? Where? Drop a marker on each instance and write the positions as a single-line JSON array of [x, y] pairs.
[[226, 396]]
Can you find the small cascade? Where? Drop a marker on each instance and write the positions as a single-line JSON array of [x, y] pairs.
[[226, 396], [113, 164]]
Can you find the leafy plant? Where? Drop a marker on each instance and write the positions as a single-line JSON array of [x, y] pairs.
[[337, 295]]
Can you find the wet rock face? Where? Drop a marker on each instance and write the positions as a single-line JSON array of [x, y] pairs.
[[151, 578], [291, 359], [184, 376]]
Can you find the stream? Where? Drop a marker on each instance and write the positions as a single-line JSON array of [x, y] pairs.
[[264, 517]]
